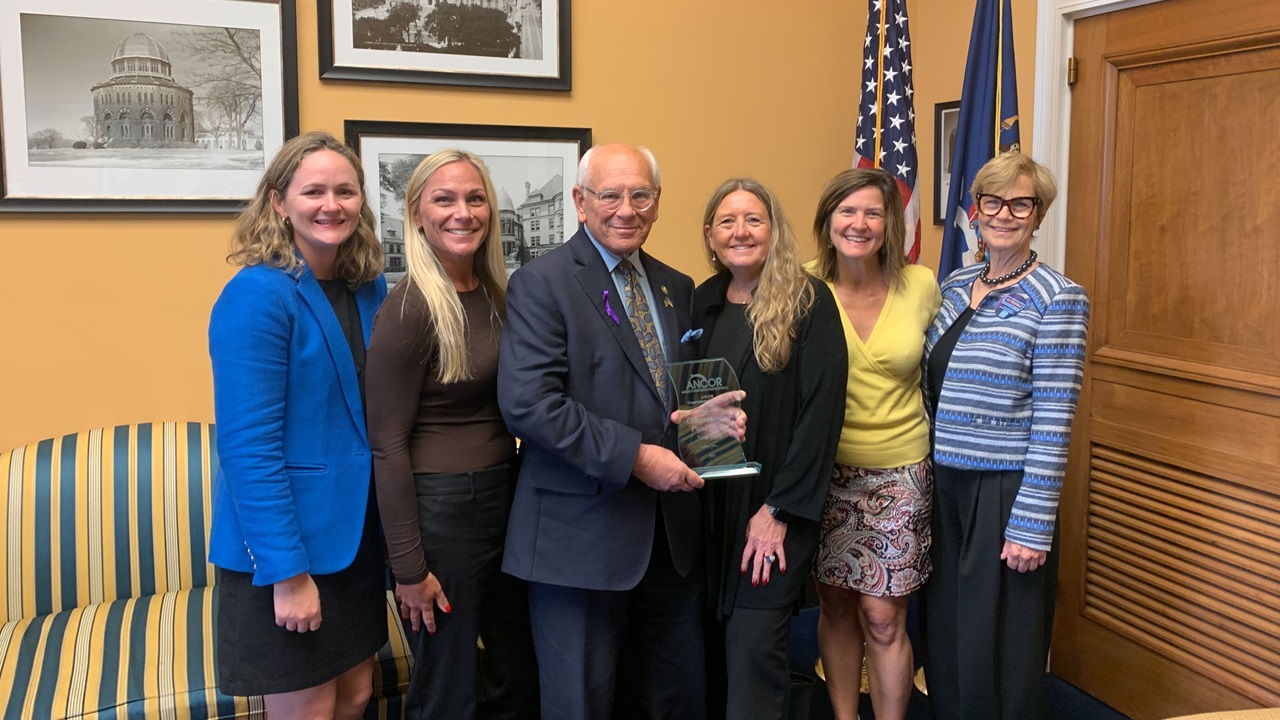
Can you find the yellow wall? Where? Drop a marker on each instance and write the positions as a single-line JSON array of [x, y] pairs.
[[105, 315]]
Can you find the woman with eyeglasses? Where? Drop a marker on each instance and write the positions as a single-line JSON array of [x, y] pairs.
[[1003, 364]]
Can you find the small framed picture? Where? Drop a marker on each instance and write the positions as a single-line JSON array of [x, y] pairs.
[[946, 116], [146, 105], [533, 170], [491, 43]]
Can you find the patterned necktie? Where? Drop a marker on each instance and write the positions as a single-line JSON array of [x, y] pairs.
[[644, 327]]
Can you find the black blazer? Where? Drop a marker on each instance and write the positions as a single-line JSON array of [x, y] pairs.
[[574, 387], [794, 418]]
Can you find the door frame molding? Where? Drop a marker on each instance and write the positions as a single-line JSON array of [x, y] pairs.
[[1051, 139]]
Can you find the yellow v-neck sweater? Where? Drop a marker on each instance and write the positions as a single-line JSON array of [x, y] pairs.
[[884, 417]]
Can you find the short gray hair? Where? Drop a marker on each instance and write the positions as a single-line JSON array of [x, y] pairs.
[[584, 165]]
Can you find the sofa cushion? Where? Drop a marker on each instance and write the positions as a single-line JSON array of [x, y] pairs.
[[103, 515], [148, 657]]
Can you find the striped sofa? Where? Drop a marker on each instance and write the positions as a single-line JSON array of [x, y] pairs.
[[108, 598]]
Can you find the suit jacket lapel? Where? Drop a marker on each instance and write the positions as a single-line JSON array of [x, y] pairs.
[[659, 288], [339, 351], [602, 294]]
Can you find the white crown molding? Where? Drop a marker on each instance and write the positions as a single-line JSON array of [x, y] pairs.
[[1051, 140]]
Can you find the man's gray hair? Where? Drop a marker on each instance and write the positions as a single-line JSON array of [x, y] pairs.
[[584, 179]]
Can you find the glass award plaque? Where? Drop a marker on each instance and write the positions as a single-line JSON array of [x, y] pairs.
[[708, 421]]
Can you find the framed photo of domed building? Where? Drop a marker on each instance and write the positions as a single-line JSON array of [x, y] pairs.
[[142, 105], [491, 43], [533, 171]]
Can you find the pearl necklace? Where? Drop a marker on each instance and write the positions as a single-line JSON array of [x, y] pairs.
[[1009, 276]]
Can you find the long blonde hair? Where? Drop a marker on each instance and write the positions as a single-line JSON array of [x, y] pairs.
[[784, 294], [892, 254], [429, 278], [262, 237]]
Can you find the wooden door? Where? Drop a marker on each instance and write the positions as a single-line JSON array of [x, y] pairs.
[[1170, 599]]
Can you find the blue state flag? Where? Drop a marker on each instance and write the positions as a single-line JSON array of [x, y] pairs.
[[988, 124]]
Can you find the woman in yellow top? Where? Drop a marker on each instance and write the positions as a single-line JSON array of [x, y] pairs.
[[875, 525]]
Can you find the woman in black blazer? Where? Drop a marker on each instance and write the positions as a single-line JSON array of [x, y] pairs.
[[781, 332]]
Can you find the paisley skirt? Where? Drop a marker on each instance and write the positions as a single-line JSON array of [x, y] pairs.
[[875, 529]]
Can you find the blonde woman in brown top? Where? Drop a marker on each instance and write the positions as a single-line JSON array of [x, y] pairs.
[[443, 459]]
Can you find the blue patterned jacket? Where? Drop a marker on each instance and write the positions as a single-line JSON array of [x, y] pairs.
[[1011, 387]]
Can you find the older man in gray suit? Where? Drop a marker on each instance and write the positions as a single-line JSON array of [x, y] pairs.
[[603, 525]]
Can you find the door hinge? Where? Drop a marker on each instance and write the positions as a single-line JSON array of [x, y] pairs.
[[1073, 71]]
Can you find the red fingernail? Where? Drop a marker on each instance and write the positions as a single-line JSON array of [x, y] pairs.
[[766, 581], [755, 584], [448, 608], [742, 572]]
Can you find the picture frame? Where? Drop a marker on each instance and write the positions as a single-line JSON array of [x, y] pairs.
[[533, 170], [143, 106], [946, 118], [521, 44]]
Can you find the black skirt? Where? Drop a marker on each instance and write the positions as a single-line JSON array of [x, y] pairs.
[[257, 657]]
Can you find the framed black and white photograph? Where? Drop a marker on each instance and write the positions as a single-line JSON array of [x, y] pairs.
[[533, 171], [946, 117], [490, 43], [145, 105]]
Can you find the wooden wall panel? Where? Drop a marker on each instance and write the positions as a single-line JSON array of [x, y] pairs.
[[1184, 571]]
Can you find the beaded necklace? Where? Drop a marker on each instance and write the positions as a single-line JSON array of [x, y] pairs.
[[1008, 276]]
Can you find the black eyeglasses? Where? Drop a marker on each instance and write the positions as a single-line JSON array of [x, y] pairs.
[[641, 198], [1020, 207]]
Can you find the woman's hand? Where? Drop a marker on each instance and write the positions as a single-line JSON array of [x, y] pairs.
[[717, 418], [297, 603], [764, 546], [1022, 558], [418, 603]]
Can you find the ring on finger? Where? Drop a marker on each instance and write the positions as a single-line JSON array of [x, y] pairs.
[[770, 558]]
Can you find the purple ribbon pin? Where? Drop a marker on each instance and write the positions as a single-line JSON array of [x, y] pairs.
[[608, 310]]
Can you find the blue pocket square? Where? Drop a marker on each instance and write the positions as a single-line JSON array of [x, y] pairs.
[[691, 335]]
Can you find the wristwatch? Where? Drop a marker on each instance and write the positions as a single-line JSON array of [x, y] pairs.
[[778, 514]]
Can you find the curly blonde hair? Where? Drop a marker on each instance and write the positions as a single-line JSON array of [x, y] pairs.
[[429, 278], [262, 237], [783, 295], [892, 254]]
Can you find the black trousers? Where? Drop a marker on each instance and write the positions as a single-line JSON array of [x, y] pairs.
[[986, 628], [626, 655], [463, 520], [748, 664]]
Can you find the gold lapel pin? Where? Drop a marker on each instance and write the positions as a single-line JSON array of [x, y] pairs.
[[666, 297]]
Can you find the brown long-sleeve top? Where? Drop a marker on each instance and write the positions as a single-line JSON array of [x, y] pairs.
[[419, 425]]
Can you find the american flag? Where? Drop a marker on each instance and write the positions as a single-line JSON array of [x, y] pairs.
[[886, 114]]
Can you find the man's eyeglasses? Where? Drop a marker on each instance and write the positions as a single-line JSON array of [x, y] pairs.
[[1020, 207], [641, 199]]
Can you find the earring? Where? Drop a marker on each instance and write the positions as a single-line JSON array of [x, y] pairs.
[[981, 253], [288, 224]]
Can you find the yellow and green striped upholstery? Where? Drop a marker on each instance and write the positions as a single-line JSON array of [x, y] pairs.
[[103, 515], [108, 603], [147, 657]]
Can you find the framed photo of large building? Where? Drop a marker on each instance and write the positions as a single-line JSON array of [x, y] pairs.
[[533, 170], [491, 43], [145, 105]]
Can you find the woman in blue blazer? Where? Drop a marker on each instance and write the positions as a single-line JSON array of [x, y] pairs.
[[294, 535]]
